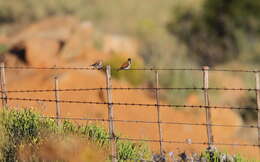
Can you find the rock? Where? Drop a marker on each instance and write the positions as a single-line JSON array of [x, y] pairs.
[[41, 52], [41, 42], [59, 28], [3, 39], [12, 60], [78, 42], [120, 44]]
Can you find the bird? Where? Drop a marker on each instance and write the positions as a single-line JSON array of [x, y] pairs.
[[98, 65], [126, 65]]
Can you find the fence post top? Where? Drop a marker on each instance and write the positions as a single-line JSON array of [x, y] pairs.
[[205, 67], [256, 71], [108, 67]]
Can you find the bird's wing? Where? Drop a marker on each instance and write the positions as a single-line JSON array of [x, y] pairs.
[[124, 65], [95, 64]]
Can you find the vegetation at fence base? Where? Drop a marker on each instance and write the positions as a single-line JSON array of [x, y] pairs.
[[216, 156], [26, 128], [128, 150], [212, 155]]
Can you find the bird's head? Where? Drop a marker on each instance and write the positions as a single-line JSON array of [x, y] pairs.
[[129, 60]]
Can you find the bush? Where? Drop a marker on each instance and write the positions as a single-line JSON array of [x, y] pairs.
[[133, 77], [222, 16], [19, 127], [213, 35], [3, 49], [250, 113], [95, 133], [25, 127], [129, 150], [217, 156]]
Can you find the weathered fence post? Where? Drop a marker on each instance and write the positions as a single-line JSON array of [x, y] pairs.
[[3, 86], [258, 103], [110, 113], [57, 99], [158, 110], [206, 102]]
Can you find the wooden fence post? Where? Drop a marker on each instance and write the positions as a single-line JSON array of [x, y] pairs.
[[258, 104], [57, 100], [158, 111], [3, 86], [110, 113], [207, 108]]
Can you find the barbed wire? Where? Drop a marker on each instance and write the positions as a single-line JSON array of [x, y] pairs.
[[127, 88], [185, 142], [133, 69], [127, 104], [53, 90], [50, 68], [150, 122], [188, 142]]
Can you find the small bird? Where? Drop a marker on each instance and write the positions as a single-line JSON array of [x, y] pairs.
[[126, 65], [98, 65]]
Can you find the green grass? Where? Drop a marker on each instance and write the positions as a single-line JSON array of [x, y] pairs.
[[220, 156]]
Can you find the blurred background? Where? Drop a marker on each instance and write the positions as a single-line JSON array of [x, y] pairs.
[[165, 33]]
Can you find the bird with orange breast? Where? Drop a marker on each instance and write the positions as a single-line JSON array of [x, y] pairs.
[[98, 65], [126, 65]]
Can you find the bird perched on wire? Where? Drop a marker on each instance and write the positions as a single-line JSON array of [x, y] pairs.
[[98, 65], [126, 65]]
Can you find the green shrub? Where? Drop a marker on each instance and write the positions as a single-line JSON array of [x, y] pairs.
[[25, 127], [19, 127], [218, 156], [95, 133], [3, 49], [217, 33], [133, 77], [250, 114], [129, 150]]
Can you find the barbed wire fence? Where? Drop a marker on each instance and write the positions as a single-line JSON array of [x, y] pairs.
[[109, 88]]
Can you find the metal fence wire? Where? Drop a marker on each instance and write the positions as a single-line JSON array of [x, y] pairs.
[[110, 104]]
